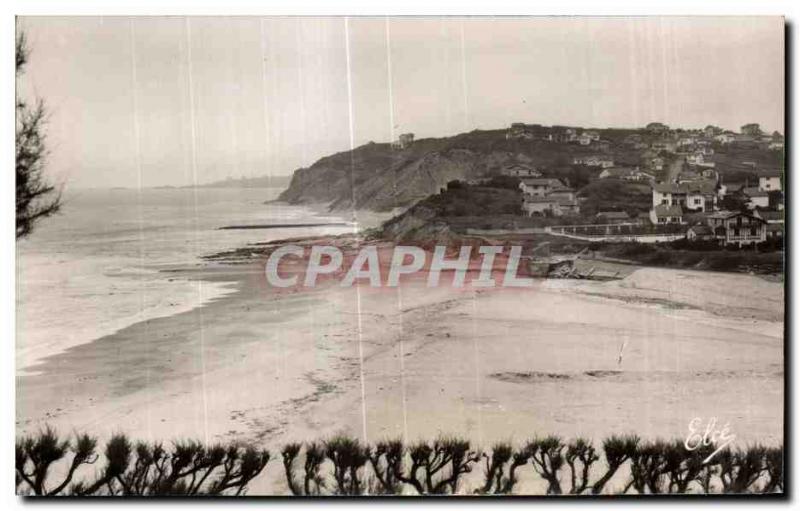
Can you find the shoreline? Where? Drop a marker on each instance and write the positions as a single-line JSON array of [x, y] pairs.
[[493, 364]]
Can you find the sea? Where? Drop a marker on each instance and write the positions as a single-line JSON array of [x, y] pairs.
[[97, 266]]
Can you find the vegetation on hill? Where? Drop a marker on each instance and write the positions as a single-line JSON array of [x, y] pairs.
[[615, 195], [376, 176], [49, 465]]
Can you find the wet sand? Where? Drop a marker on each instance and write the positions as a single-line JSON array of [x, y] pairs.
[[645, 355]]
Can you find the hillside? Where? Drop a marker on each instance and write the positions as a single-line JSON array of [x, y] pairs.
[[380, 178]]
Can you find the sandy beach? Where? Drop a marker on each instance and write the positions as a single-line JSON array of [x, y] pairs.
[[658, 348]]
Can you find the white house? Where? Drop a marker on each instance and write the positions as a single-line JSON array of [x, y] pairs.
[[663, 214], [698, 195], [540, 186], [403, 141], [769, 180], [756, 198]]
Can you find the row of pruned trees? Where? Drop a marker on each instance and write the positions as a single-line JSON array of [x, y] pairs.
[[345, 466]]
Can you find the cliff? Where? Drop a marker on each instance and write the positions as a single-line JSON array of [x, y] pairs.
[[375, 176]]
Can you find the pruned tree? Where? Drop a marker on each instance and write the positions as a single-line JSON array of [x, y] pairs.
[[741, 469], [383, 459], [580, 457], [648, 467], [435, 468], [773, 459], [547, 460], [36, 198], [683, 467], [35, 456], [349, 458], [494, 472], [189, 468]]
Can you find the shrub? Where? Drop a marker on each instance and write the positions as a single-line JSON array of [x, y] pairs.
[[343, 465], [188, 468]]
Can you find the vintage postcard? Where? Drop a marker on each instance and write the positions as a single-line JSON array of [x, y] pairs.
[[408, 256]]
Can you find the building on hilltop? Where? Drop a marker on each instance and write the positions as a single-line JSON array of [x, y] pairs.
[[657, 128], [403, 141]]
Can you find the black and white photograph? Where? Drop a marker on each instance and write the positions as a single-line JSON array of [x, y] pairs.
[[400, 256]]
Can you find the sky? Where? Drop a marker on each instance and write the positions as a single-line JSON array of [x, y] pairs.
[[155, 101]]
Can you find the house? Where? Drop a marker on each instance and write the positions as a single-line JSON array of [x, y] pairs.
[[562, 192], [405, 140], [687, 176], [548, 197], [745, 141], [710, 174], [520, 170], [613, 217], [593, 135], [725, 138], [602, 145], [541, 206], [769, 180], [540, 186], [775, 231], [593, 161], [527, 131], [700, 232], [562, 135], [626, 173], [657, 127], [704, 148], [656, 163], [568, 206], [700, 195], [737, 228], [664, 214], [700, 159], [756, 198], [771, 217], [775, 146], [663, 145], [693, 158], [584, 139]]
